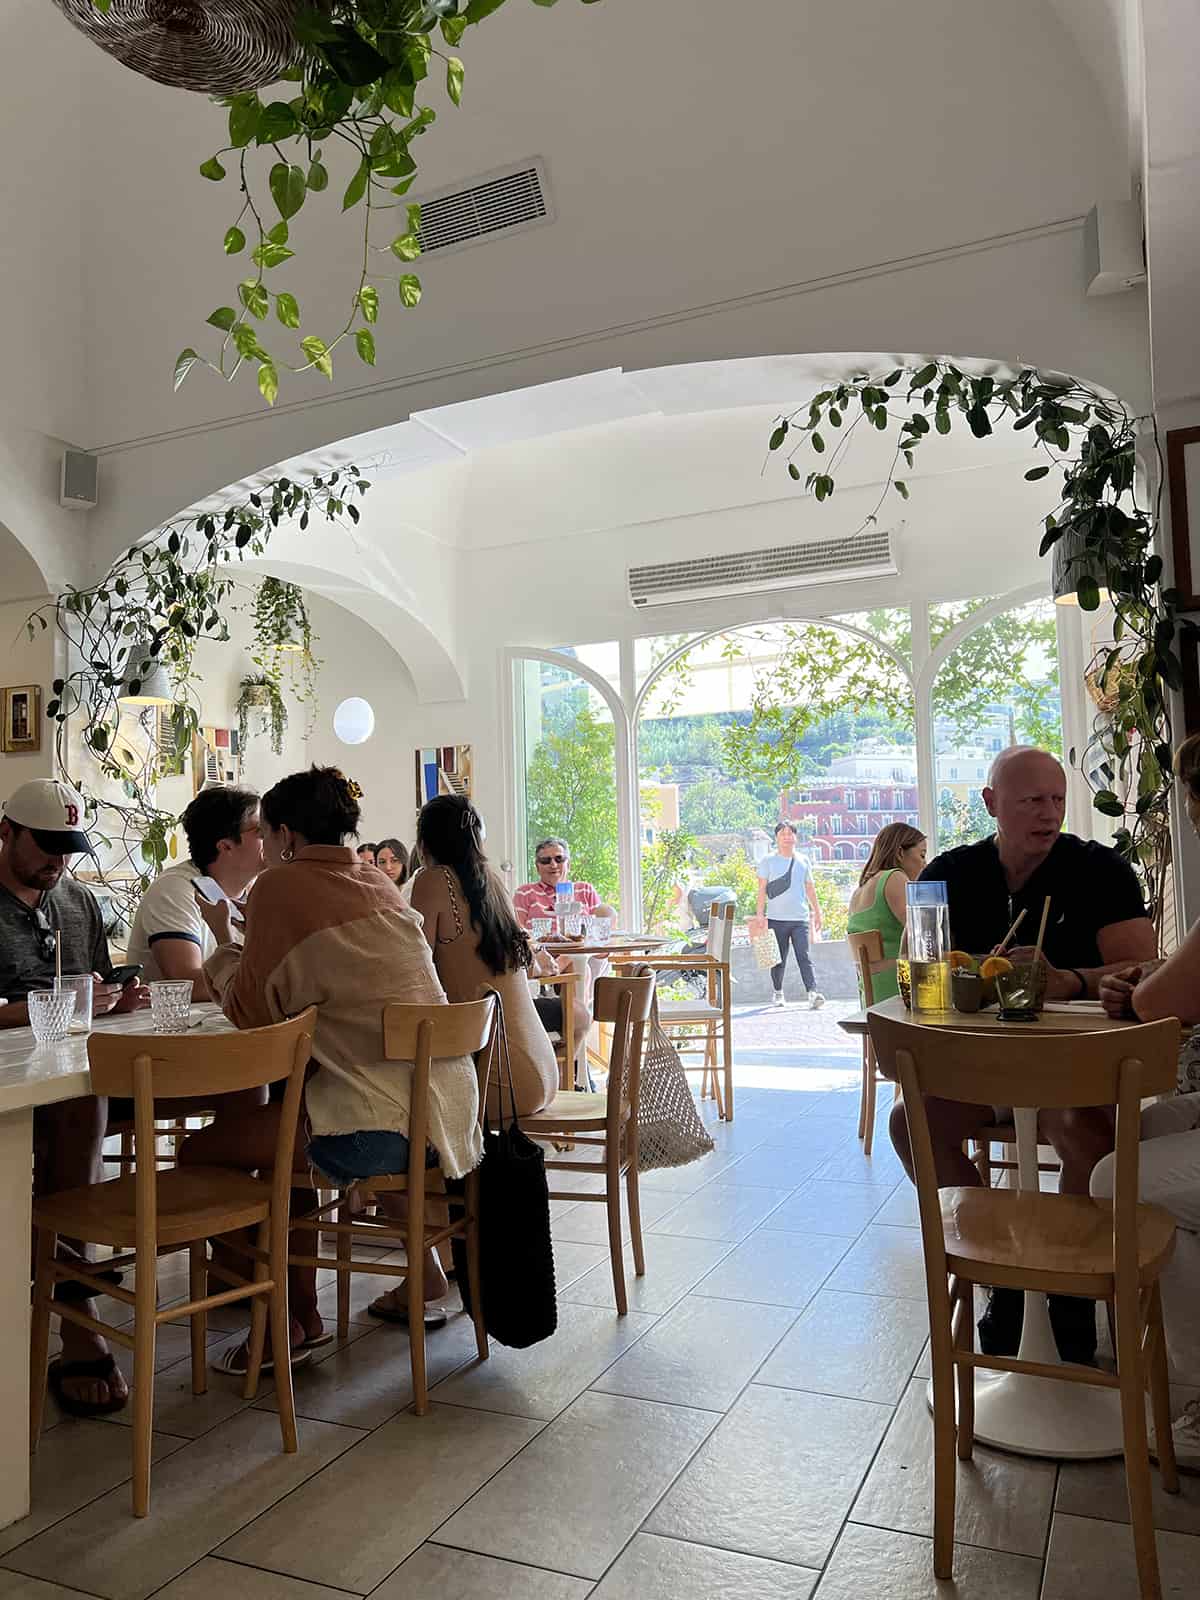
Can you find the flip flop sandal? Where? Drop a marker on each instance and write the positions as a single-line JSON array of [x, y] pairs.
[[319, 1340], [433, 1319], [301, 1356], [103, 1368]]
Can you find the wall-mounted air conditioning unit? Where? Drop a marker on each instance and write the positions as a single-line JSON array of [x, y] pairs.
[[786, 566]]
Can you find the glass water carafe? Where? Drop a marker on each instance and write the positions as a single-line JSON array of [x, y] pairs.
[[927, 936]]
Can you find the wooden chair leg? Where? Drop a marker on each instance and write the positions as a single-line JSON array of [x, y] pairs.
[[633, 1199], [964, 1339], [869, 1106], [612, 1201], [727, 1041], [945, 1466], [1137, 1447], [862, 1098], [273, 1238], [345, 1251], [145, 1332], [414, 1249], [1160, 1397], [474, 1282], [39, 1333], [259, 1311], [197, 1287]]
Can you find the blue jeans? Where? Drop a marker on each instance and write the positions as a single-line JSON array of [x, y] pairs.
[[793, 935], [370, 1153]]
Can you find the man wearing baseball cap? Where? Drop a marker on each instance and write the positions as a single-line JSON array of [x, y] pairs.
[[41, 904]]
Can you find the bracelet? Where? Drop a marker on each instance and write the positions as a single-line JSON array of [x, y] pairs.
[[1083, 983]]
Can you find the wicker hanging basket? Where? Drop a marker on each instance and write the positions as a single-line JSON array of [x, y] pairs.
[[212, 46]]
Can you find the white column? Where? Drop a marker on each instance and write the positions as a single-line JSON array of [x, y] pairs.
[[1077, 710], [16, 1192], [629, 838], [923, 721]]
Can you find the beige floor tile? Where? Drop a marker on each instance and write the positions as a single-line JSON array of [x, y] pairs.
[[616, 1454], [777, 1477], [15, 1586], [1097, 1489], [76, 1462], [883, 1261], [842, 1210], [587, 1223], [858, 1345], [881, 1168], [352, 1527], [1088, 1557], [775, 1268], [693, 1176], [573, 1261], [720, 1213], [702, 1353], [811, 1138], [900, 1209], [1003, 1501], [435, 1572], [212, 1577], [198, 1496], [669, 1569], [771, 1167], [876, 1561], [370, 1379], [541, 1381], [673, 1266]]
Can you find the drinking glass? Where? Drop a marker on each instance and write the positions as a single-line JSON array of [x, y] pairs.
[[1024, 988], [81, 985], [170, 1002], [50, 1013], [541, 927]]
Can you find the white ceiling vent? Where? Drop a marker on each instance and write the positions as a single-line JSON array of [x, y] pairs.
[[503, 201], [785, 566]]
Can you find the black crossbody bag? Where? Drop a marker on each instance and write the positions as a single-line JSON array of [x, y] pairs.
[[778, 886]]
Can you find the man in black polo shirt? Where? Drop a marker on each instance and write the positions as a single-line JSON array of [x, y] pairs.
[[1097, 924]]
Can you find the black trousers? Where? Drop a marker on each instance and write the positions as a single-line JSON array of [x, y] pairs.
[[792, 935]]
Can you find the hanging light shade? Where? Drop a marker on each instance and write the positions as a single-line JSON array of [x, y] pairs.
[[1073, 563], [151, 689]]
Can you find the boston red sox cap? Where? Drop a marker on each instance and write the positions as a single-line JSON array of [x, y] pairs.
[[52, 811]]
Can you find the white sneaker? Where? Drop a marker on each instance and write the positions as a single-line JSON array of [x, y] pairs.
[[779, 1000], [1185, 1434], [816, 1000]]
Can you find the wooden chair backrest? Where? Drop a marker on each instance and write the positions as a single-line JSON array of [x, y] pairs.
[[626, 1003], [720, 932], [423, 1034], [867, 950], [1118, 1066]]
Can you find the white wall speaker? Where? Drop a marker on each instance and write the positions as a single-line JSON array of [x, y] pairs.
[[1114, 254], [79, 480]]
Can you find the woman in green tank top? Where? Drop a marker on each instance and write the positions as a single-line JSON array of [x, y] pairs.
[[897, 858]]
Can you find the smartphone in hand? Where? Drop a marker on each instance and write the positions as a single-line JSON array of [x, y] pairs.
[[209, 889], [125, 975]]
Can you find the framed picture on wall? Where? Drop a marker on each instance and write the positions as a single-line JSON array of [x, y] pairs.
[[216, 757], [443, 769], [22, 720], [1183, 488]]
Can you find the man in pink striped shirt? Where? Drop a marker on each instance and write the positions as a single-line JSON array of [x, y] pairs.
[[552, 857]]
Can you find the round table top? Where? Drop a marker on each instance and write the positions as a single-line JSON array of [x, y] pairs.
[[1057, 1016], [622, 944]]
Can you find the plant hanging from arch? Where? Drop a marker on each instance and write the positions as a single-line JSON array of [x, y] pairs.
[[355, 70], [1106, 536]]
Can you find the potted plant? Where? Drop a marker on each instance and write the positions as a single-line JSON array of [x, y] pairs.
[[283, 636], [260, 698]]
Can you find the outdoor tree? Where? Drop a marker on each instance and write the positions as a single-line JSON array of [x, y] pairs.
[[961, 821], [716, 806], [571, 790]]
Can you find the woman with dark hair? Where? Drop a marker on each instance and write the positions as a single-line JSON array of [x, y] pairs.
[[897, 859], [327, 930], [392, 859]]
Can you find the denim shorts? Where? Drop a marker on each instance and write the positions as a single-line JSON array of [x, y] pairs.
[[370, 1153]]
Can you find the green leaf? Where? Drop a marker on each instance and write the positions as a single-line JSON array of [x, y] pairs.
[[1087, 592], [268, 382], [213, 169], [357, 186], [223, 317], [287, 309], [364, 341], [277, 121], [278, 234], [478, 9], [941, 420], [818, 443], [244, 112], [318, 353], [318, 177], [184, 363], [398, 90], [900, 487], [1035, 473], [893, 378], [924, 376], [410, 289], [793, 470], [453, 29], [407, 246], [368, 300], [254, 297], [270, 255], [979, 422], [287, 187], [235, 240], [454, 79], [246, 341], [1106, 802], [778, 436]]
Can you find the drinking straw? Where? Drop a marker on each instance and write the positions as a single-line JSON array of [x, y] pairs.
[[57, 959], [1008, 937], [1037, 949]]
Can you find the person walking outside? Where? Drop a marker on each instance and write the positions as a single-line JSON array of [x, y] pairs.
[[787, 895]]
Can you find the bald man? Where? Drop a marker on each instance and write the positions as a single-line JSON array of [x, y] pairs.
[[1097, 924]]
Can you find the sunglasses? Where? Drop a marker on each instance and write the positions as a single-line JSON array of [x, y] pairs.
[[45, 931], [551, 861]]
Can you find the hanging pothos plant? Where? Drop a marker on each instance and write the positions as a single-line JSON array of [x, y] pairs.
[[360, 68], [283, 643], [260, 698], [1107, 542], [150, 609]]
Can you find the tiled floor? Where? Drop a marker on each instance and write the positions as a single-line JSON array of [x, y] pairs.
[[755, 1427]]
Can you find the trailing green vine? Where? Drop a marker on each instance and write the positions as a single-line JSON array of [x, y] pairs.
[[361, 65], [150, 610], [1104, 538]]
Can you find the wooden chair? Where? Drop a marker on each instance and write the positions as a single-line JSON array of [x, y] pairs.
[[565, 1044], [160, 1212], [707, 1022], [1056, 1244], [420, 1034], [608, 1121], [867, 950]]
